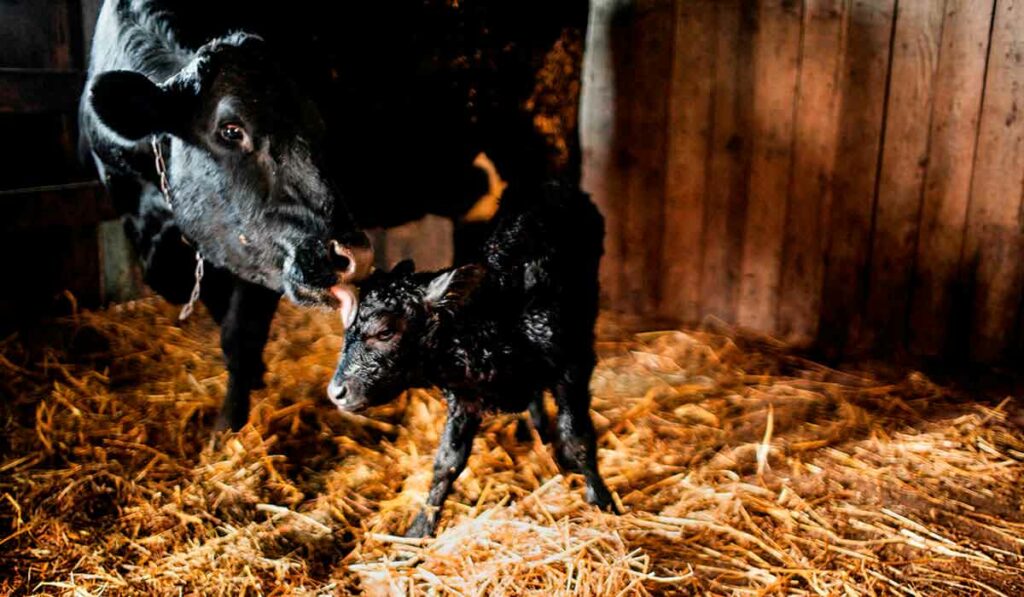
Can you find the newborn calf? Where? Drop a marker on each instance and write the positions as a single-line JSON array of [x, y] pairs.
[[492, 336]]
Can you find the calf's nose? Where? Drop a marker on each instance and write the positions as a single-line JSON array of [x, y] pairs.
[[337, 391]]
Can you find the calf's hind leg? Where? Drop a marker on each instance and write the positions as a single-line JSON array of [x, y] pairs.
[[539, 416], [539, 420], [576, 442], [456, 444]]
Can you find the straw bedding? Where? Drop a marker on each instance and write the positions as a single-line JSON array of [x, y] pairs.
[[742, 469]]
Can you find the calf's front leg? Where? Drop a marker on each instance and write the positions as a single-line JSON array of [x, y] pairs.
[[576, 443], [456, 444]]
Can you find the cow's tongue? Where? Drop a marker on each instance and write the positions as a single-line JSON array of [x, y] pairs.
[[348, 304]]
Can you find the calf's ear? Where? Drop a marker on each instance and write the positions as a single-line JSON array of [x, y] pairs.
[[453, 288], [403, 267], [131, 105]]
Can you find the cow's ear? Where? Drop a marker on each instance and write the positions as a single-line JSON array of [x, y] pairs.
[[453, 288], [131, 105]]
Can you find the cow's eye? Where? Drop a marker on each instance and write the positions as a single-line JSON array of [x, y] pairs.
[[384, 335], [232, 133]]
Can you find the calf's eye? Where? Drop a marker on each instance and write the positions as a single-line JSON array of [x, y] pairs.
[[384, 335], [232, 133]]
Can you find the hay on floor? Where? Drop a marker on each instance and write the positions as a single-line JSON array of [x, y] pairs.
[[742, 469]]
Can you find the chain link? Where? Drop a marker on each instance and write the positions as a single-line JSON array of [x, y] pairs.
[[190, 306], [165, 190]]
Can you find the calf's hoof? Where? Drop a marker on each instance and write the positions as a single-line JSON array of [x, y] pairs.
[[598, 495], [423, 526], [231, 418]]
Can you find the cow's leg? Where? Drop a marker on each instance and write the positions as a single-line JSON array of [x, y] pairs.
[[456, 444], [167, 261], [243, 334], [216, 290], [576, 442]]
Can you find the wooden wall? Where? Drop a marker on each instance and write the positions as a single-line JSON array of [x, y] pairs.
[[53, 235], [840, 173]]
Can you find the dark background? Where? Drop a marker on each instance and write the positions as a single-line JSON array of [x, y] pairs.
[[54, 234]]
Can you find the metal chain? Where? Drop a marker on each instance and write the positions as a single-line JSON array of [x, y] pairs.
[[191, 304], [165, 190], [161, 172]]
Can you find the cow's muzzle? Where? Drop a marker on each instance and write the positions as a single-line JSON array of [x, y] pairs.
[[353, 263], [313, 268]]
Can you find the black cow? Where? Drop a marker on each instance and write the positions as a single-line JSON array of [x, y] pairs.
[[492, 335], [287, 128]]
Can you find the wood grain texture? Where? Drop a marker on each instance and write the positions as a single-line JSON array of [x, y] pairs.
[[602, 126], [729, 160], [90, 10], [776, 66], [937, 301], [689, 122], [814, 153], [427, 241], [994, 245], [67, 205], [39, 91], [860, 133], [35, 34], [904, 159], [645, 153], [882, 212]]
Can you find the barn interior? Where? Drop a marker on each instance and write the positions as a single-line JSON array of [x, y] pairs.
[[810, 344]]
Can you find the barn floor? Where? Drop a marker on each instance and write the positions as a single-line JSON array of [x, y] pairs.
[[743, 470]]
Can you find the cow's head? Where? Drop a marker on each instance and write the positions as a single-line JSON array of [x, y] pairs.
[[397, 333], [248, 180]]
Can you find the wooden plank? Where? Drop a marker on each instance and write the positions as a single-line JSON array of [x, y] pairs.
[[814, 152], [33, 91], [602, 127], [958, 93], [34, 34], [49, 262], [121, 276], [994, 244], [65, 41], [90, 11], [689, 122], [645, 152], [776, 66], [904, 158], [427, 241], [865, 69], [77, 204], [729, 160]]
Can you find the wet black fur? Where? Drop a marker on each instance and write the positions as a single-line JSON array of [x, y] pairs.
[[492, 336], [365, 114]]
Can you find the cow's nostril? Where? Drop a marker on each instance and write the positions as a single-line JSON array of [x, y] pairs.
[[341, 259], [340, 262]]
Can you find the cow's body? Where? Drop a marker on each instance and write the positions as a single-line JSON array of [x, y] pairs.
[[408, 94]]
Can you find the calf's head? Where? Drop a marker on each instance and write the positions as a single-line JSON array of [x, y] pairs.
[[248, 180], [391, 341]]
